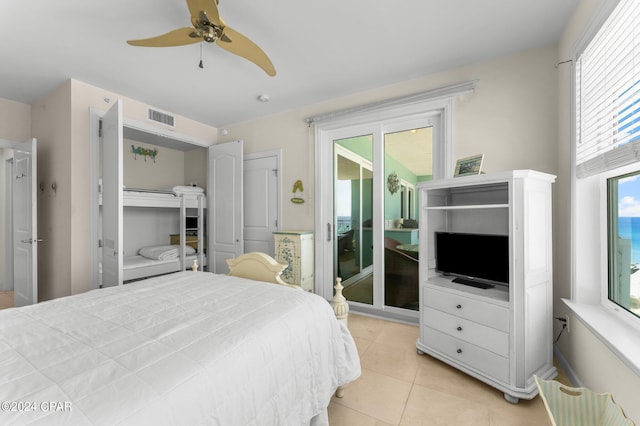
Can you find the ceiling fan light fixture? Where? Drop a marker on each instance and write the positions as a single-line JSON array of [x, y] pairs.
[[209, 34], [207, 25]]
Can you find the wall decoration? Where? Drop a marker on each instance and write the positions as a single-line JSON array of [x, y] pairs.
[[469, 165], [146, 152], [393, 183], [297, 186]]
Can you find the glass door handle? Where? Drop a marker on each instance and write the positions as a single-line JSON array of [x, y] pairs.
[[31, 241]]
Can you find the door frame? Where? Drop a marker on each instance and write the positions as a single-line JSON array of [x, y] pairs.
[[8, 222], [436, 113], [340, 150], [95, 118]]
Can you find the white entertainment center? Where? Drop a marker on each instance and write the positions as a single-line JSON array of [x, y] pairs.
[[501, 335]]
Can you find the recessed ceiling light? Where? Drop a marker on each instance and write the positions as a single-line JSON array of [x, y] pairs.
[[263, 98]]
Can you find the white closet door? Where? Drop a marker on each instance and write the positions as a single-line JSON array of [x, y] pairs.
[[261, 200], [225, 217], [25, 224], [112, 181]]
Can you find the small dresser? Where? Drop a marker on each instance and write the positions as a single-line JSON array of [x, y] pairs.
[[295, 248]]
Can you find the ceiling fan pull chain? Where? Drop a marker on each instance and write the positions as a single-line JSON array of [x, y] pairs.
[[201, 65]]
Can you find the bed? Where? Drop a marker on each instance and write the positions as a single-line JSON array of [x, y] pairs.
[[184, 348], [139, 265], [157, 260]]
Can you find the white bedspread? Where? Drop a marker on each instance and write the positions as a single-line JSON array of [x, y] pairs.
[[186, 348]]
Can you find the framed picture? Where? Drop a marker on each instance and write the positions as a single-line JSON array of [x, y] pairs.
[[469, 166]]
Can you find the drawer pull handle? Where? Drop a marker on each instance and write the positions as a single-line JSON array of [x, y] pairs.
[[458, 306], [459, 351], [459, 328]]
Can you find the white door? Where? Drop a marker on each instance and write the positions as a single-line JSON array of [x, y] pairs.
[[112, 181], [25, 225], [224, 192], [261, 200]]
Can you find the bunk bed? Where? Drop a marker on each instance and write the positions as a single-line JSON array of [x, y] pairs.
[[139, 264], [183, 348]]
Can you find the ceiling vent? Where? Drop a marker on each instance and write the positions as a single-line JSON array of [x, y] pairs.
[[161, 117]]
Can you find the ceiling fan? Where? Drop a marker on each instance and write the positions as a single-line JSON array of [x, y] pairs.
[[209, 27]]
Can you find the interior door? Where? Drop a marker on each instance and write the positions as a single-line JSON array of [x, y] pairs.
[[261, 203], [112, 181], [225, 196], [25, 225]]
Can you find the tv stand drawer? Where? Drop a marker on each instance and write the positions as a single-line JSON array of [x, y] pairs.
[[467, 354], [454, 303], [488, 338]]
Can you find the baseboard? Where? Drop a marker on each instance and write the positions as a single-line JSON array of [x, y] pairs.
[[571, 375]]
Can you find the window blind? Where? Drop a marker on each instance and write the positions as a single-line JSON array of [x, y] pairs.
[[608, 94]]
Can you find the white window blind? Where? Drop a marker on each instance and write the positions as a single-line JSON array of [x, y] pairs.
[[608, 94]]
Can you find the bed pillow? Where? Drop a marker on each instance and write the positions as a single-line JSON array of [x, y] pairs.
[[165, 252]]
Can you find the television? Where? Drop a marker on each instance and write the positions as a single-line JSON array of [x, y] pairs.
[[480, 260]]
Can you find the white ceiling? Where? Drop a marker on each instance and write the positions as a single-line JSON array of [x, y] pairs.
[[321, 49]]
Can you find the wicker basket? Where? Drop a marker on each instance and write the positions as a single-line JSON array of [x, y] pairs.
[[569, 406]]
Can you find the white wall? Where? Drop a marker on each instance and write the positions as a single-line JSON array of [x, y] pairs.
[[164, 172], [195, 170], [60, 121], [519, 117], [511, 118]]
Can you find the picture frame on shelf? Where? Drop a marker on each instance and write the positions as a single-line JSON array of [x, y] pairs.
[[469, 166]]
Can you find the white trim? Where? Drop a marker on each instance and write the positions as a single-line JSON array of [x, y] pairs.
[[8, 284], [617, 312], [620, 338], [566, 367], [391, 104], [432, 108], [95, 116], [599, 16]]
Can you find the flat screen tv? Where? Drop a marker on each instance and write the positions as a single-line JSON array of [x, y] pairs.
[[481, 260]]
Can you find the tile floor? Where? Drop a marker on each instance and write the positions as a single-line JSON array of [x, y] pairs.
[[400, 387], [6, 299]]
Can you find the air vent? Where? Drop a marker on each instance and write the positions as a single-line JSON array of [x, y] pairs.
[[161, 117]]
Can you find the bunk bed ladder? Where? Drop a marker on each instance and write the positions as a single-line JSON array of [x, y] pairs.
[[183, 230]]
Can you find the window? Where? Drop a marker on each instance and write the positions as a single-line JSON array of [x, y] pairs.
[[607, 160], [623, 220]]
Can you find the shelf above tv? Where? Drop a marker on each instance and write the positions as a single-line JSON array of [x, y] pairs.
[[470, 207]]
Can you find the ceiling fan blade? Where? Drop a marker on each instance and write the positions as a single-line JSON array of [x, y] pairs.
[[177, 37], [210, 7], [242, 46]]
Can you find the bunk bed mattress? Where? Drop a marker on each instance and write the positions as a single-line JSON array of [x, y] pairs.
[[185, 348], [135, 267]]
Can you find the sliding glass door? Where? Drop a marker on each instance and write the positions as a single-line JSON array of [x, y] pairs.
[[353, 197], [374, 248], [407, 161]]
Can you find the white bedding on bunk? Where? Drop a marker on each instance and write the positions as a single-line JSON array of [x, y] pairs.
[[164, 252], [184, 348], [136, 267]]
